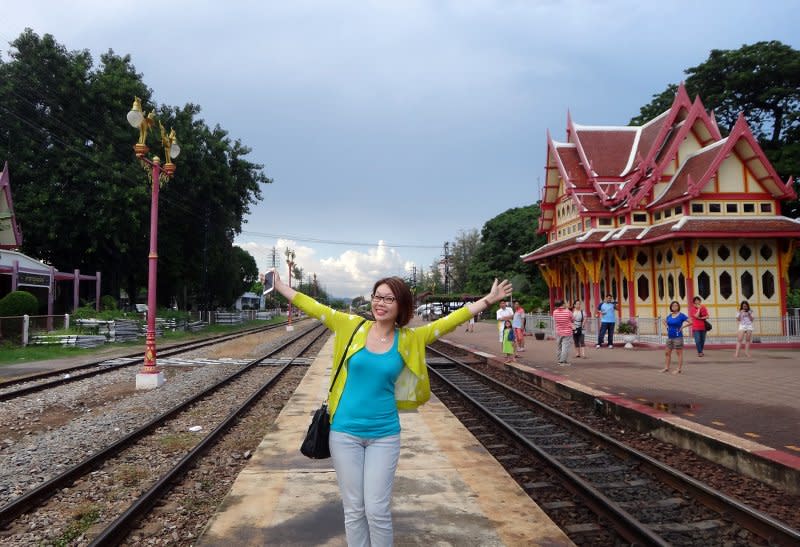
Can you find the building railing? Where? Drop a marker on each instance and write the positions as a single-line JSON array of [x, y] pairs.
[[769, 329]]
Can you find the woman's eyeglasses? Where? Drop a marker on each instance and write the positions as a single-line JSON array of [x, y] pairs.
[[384, 299]]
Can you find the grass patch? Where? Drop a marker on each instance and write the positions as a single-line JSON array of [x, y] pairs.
[[179, 441], [15, 354], [130, 475], [83, 517]]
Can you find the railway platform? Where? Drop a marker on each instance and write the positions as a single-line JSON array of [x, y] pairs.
[[448, 489], [741, 412]]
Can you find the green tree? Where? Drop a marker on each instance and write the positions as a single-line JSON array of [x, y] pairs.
[[504, 239], [81, 198], [464, 247]]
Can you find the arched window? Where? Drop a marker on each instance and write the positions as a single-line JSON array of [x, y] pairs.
[[671, 287], [641, 258], [725, 285], [723, 252], [643, 287], [624, 288], [747, 285], [702, 252], [660, 286], [768, 284], [766, 252], [704, 285], [745, 252], [669, 256], [681, 285]]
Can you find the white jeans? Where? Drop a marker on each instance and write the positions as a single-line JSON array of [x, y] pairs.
[[563, 345], [365, 471]]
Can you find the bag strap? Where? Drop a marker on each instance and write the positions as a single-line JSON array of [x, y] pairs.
[[341, 362]]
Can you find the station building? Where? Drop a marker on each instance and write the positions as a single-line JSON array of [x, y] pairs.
[[666, 211], [58, 292]]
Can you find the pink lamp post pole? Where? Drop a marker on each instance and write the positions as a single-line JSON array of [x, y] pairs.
[[150, 376], [150, 366]]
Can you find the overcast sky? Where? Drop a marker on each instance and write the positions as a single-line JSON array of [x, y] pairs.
[[390, 126]]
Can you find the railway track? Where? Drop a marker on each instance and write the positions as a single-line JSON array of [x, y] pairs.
[[109, 479], [639, 499], [18, 387]]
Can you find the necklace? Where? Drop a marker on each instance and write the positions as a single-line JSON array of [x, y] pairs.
[[384, 338]]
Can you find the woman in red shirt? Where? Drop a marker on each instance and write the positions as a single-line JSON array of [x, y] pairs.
[[699, 314]]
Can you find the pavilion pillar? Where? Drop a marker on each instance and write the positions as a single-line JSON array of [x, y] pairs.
[[76, 281], [14, 275], [631, 299]]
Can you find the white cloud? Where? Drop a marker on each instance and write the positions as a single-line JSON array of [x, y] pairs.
[[351, 273]]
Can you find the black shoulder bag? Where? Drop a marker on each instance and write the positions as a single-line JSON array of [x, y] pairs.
[[315, 445]]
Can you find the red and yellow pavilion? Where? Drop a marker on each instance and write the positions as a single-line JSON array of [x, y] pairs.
[[666, 211]]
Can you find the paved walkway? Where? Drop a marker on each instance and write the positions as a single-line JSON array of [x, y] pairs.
[[756, 398]]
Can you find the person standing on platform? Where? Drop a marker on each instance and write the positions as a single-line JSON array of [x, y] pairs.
[[745, 333], [699, 314], [607, 312], [509, 346], [578, 339], [518, 322], [676, 321], [384, 371], [504, 313], [562, 318]]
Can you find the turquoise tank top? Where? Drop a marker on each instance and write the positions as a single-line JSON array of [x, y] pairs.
[[367, 408]]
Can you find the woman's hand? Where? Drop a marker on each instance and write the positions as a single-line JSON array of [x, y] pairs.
[[282, 287], [499, 291]]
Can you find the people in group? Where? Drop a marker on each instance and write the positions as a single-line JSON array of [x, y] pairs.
[[384, 370], [509, 346], [676, 321], [745, 333], [562, 318], [699, 313], [518, 322], [607, 312], [503, 313], [578, 339]]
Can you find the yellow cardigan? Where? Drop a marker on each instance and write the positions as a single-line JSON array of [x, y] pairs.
[[412, 388]]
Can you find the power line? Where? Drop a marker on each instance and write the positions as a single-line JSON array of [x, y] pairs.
[[336, 242]]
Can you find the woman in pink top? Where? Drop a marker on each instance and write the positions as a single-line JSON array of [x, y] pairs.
[[562, 318], [699, 313]]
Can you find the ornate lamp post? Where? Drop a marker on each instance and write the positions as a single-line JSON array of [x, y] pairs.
[[290, 262], [150, 376]]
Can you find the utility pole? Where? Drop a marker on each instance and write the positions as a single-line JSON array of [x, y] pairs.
[[446, 267]]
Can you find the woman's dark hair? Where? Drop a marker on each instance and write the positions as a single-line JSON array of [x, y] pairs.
[[743, 304], [697, 299], [675, 302], [558, 303], [405, 300]]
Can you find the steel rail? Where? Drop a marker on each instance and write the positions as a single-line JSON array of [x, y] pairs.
[[115, 533], [45, 490], [64, 376], [765, 526]]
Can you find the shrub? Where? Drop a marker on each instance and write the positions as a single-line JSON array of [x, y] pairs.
[[18, 303], [108, 302], [628, 327]]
